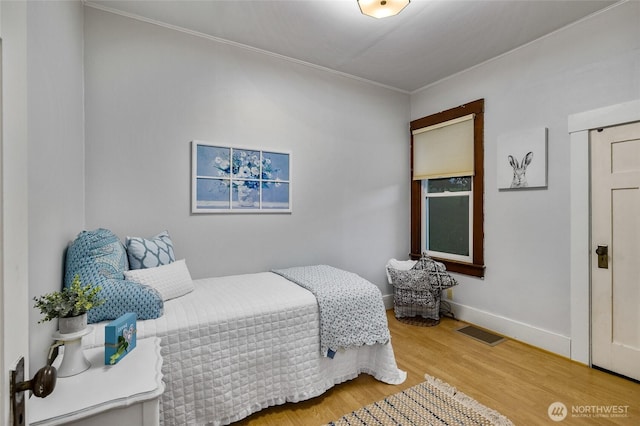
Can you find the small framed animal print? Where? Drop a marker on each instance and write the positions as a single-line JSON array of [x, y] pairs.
[[522, 159]]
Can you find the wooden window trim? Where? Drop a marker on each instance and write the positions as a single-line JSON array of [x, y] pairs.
[[477, 267]]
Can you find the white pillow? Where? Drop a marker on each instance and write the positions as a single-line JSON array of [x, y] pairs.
[[171, 281]]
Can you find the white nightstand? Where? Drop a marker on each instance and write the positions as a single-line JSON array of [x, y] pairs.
[[126, 393]]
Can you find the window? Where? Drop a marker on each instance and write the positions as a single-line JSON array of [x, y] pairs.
[[447, 188], [448, 218]]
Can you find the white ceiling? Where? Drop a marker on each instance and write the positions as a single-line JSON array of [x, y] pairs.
[[428, 41]]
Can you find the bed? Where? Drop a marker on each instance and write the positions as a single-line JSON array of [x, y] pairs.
[[235, 345]]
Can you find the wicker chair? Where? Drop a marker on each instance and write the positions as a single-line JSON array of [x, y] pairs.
[[417, 291]]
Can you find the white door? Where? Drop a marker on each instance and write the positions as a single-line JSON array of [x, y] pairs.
[[14, 249], [615, 279]]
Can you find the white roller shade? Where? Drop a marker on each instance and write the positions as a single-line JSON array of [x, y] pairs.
[[444, 149]]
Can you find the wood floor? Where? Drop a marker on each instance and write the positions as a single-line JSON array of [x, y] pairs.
[[515, 379]]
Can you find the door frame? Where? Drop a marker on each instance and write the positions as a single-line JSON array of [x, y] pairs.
[[14, 213], [580, 210]]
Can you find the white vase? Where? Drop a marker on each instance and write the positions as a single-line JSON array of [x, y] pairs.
[[72, 324], [247, 197]]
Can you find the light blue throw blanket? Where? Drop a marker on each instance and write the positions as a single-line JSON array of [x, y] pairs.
[[352, 312]]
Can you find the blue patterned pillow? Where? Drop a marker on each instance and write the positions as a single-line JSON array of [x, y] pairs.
[[95, 254], [150, 253], [126, 296], [99, 258]]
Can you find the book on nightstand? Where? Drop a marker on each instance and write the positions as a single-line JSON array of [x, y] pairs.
[[119, 338]]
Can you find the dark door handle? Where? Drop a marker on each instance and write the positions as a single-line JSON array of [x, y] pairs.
[[603, 257], [41, 385]]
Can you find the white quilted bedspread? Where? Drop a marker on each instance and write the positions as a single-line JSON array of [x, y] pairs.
[[241, 343]]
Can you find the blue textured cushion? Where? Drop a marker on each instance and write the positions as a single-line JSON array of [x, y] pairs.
[[126, 296], [99, 258], [150, 252], [96, 254]]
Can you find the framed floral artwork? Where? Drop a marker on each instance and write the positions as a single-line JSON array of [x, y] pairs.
[[228, 179]]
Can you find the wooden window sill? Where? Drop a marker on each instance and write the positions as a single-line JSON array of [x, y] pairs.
[[470, 269]]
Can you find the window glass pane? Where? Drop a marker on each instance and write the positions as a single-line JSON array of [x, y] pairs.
[[246, 164], [213, 161], [213, 193], [453, 184], [275, 166], [275, 195], [448, 224], [246, 194]]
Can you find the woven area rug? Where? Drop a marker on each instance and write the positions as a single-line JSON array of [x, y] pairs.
[[432, 402]]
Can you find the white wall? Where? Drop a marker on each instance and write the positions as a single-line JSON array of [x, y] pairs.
[[55, 151], [591, 64], [151, 90]]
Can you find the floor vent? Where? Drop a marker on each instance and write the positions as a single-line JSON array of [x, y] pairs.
[[481, 335]]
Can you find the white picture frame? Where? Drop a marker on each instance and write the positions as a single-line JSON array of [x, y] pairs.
[[233, 179]]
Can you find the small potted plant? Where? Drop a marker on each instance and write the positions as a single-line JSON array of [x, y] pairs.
[[70, 305]]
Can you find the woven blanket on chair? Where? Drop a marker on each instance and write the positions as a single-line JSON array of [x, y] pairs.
[[439, 278]]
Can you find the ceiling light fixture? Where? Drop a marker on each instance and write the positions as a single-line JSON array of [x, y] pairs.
[[382, 8]]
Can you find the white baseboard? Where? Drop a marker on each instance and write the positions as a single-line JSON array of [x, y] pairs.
[[534, 336], [526, 333], [388, 301]]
